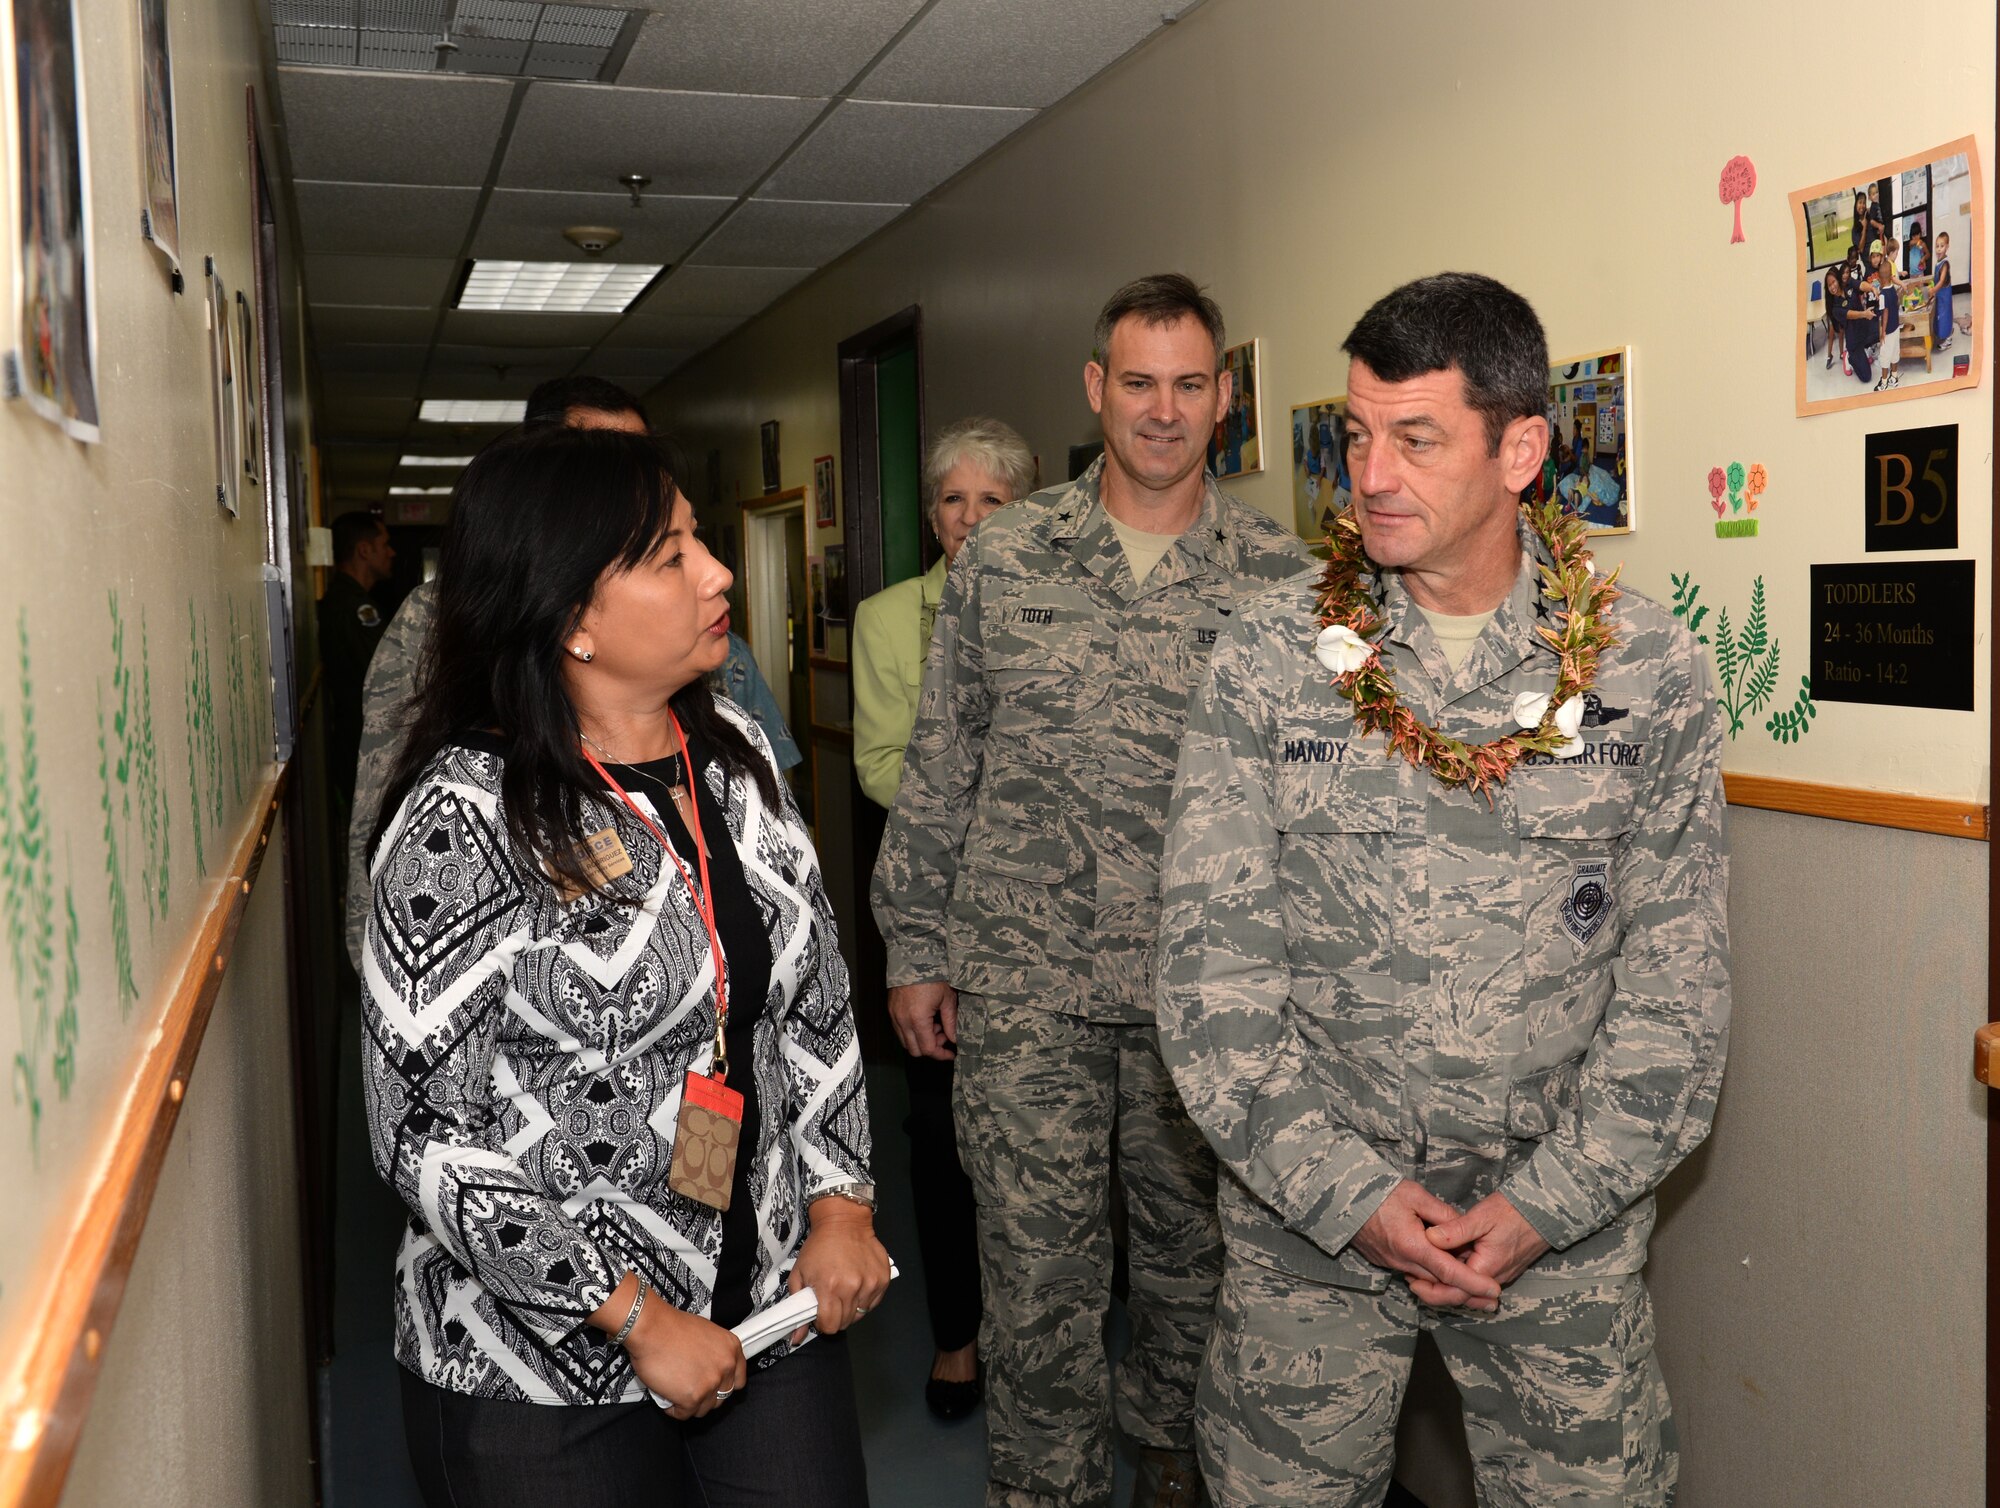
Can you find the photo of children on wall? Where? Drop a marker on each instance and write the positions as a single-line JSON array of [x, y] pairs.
[[1589, 464], [1237, 448], [1320, 485], [52, 330], [1885, 280]]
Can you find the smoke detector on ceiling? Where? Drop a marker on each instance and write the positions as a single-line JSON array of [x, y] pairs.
[[593, 240]]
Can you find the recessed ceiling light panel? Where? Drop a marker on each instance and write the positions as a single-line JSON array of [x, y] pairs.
[[509, 38], [420, 492], [472, 410], [435, 461], [555, 287]]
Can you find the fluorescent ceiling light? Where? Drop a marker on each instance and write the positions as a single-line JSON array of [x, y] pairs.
[[420, 492], [555, 287], [435, 461], [473, 410]]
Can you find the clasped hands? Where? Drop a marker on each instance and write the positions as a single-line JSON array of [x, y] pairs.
[[1450, 1260]]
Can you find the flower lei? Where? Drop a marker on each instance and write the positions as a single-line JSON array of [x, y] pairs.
[[1350, 621]]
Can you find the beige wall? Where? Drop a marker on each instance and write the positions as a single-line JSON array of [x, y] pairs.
[[1302, 158], [202, 1401], [203, 1395]]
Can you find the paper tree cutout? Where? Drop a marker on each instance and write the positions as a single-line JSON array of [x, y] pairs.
[[1739, 182]]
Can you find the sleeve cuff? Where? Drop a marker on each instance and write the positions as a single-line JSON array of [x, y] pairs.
[[1329, 1218], [1561, 1206]]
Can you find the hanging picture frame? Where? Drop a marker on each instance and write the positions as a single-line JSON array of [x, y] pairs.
[[1237, 447], [224, 418], [250, 420], [823, 495], [1320, 486], [51, 331], [159, 146], [1589, 466]]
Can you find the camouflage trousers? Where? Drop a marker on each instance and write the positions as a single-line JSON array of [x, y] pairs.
[[1043, 1102], [1564, 1400]]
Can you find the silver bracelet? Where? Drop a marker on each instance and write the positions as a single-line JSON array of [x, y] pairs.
[[632, 1318], [853, 1191]]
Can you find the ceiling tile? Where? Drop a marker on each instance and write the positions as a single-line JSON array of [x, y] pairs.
[[384, 220], [762, 46], [882, 153], [345, 357], [544, 332], [636, 367], [571, 136], [398, 282], [523, 225], [721, 290], [1009, 52], [342, 415], [338, 386], [691, 332], [392, 127], [791, 233], [490, 356], [340, 324]]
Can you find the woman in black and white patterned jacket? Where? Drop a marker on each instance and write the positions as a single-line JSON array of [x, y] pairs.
[[578, 844]]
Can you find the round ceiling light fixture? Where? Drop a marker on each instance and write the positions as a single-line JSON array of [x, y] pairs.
[[593, 240]]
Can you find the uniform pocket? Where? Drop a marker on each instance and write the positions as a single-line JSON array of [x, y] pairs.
[[1539, 1102]]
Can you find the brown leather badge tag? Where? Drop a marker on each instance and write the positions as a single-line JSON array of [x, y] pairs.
[[705, 1136]]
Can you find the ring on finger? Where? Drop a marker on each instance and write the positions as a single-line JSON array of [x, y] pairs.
[[722, 1393]]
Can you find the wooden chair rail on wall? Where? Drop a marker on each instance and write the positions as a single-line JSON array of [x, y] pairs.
[[44, 1418], [1922, 814]]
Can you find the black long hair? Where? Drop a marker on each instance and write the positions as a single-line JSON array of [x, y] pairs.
[[537, 517]]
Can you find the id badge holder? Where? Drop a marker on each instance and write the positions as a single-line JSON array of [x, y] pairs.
[[706, 1133]]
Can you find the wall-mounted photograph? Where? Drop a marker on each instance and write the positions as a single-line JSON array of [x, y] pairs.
[[1886, 256], [767, 437], [1589, 464], [823, 499], [248, 386], [816, 608], [53, 361], [1237, 447], [1320, 487], [160, 219], [225, 418]]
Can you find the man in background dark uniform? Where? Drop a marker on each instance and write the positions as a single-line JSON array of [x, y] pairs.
[[350, 626]]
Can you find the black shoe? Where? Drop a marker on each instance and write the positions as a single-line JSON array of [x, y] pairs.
[[953, 1400]]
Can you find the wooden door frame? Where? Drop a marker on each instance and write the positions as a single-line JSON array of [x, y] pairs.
[[1992, 940]]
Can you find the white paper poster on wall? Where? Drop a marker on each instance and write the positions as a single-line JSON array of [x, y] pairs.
[[53, 326]]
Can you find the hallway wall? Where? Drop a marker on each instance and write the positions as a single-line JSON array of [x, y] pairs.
[[1301, 159], [135, 737]]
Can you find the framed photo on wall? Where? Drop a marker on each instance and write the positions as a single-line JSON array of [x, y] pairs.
[[836, 584], [50, 353], [160, 218], [1320, 487], [823, 495], [1589, 464], [247, 385], [767, 437], [1886, 259], [224, 416], [816, 608], [1237, 447]]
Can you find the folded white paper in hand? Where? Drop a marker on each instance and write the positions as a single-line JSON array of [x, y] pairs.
[[769, 1325]]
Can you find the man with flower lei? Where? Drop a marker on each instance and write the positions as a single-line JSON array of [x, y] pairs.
[[1443, 953]]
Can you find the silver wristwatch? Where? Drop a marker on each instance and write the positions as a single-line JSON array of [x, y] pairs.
[[856, 1191]]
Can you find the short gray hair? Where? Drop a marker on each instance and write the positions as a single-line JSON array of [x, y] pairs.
[[995, 448], [1161, 299]]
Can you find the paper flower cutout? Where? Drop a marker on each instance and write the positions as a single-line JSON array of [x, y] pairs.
[[1739, 182], [1736, 479], [1342, 650], [1755, 485], [1715, 485]]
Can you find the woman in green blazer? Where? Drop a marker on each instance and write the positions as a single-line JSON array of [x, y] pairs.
[[974, 467]]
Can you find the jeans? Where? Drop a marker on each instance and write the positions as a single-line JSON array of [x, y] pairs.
[[788, 1437]]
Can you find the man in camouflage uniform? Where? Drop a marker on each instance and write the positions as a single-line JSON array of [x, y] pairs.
[[1444, 1048], [1017, 890]]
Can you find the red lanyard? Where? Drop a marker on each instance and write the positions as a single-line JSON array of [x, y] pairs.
[[704, 898]]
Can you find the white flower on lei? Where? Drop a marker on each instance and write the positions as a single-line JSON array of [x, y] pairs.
[[1530, 707], [1342, 650]]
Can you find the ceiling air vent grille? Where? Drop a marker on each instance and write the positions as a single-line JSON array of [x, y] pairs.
[[504, 38]]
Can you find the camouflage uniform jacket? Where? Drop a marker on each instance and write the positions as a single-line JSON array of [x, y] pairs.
[[392, 676], [1367, 976], [1022, 857]]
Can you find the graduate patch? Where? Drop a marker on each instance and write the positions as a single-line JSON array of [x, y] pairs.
[[1588, 902], [369, 614]]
